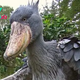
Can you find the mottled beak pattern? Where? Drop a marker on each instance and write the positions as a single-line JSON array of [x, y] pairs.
[[19, 39]]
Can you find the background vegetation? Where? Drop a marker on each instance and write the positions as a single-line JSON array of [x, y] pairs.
[[60, 20]]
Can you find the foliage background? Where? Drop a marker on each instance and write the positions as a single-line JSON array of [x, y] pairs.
[[60, 20]]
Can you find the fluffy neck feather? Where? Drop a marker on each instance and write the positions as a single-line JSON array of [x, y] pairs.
[[43, 64]]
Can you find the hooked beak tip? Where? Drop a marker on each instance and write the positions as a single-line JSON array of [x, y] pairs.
[[5, 57]]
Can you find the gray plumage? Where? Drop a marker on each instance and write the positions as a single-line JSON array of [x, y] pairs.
[[45, 59]]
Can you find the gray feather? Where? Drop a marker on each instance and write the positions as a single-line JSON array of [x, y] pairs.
[[72, 63], [77, 55], [68, 47], [78, 42], [62, 46], [78, 65], [68, 55], [64, 41], [75, 45]]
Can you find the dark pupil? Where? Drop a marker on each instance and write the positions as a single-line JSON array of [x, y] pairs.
[[24, 19]]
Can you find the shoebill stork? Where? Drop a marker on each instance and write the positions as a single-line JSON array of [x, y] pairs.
[[47, 60]]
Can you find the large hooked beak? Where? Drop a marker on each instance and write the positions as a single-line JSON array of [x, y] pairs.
[[19, 39]]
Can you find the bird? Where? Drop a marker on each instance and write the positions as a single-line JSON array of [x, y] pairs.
[[48, 60]]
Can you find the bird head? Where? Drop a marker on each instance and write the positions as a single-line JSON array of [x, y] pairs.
[[26, 26]]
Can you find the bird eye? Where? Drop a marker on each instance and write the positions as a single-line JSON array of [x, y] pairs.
[[23, 19]]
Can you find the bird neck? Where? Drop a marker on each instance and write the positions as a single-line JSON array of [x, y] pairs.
[[35, 50], [41, 61], [36, 54]]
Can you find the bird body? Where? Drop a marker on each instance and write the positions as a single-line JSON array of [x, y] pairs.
[[46, 60], [43, 59]]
